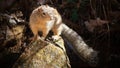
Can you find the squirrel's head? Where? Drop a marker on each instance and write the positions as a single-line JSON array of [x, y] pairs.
[[43, 15]]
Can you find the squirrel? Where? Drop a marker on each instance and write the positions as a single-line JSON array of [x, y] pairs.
[[45, 18]]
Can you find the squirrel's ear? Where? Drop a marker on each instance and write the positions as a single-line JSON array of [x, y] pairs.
[[46, 5]]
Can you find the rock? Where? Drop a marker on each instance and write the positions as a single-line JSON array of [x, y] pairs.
[[42, 54]]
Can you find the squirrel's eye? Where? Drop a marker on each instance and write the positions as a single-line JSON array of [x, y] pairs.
[[44, 13]]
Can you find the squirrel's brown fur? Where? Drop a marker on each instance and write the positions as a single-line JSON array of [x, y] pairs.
[[43, 20]]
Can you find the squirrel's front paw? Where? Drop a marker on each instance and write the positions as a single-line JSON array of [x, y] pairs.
[[56, 37]]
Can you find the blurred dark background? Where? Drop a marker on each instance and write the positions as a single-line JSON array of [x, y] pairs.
[[102, 30]]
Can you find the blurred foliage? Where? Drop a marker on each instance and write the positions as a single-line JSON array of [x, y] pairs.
[[74, 15]]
